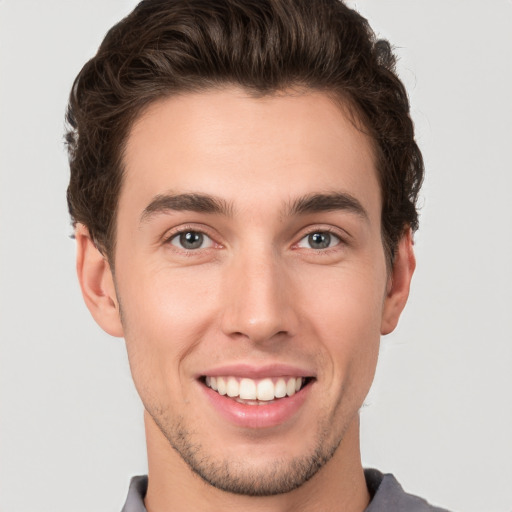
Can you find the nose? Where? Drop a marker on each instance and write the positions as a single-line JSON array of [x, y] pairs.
[[257, 303]]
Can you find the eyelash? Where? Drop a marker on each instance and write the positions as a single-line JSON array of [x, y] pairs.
[[323, 230], [202, 231], [167, 240]]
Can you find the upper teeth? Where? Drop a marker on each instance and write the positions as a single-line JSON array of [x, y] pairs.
[[249, 389]]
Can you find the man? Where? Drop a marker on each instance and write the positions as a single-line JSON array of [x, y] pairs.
[[243, 186]]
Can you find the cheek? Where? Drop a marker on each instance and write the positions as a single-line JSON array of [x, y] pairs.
[[164, 304], [346, 314], [165, 316]]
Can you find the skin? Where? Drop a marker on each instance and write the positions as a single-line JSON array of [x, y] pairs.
[[256, 292]]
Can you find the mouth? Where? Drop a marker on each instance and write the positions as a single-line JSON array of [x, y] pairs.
[[256, 392]]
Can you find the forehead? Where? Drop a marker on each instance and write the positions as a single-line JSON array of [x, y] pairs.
[[247, 150]]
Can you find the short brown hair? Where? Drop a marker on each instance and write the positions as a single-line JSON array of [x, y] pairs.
[[168, 46]]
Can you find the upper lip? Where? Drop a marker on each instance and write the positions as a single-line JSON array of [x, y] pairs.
[[257, 372]]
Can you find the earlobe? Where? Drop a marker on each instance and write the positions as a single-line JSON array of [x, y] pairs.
[[399, 283], [97, 283]]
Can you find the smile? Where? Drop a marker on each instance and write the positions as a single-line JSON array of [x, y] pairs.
[[256, 391]]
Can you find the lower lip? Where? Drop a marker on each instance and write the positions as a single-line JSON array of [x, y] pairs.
[[257, 416]]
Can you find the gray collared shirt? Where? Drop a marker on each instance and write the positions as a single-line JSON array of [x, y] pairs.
[[387, 495]]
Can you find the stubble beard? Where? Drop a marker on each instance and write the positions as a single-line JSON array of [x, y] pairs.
[[279, 476]]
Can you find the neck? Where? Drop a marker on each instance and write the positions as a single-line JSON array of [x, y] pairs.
[[339, 485]]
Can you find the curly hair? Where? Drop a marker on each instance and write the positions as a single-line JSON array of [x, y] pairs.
[[166, 47]]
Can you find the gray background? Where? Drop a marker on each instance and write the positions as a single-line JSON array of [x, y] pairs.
[[440, 413]]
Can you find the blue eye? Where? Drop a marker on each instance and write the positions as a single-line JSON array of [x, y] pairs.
[[319, 240], [191, 240]]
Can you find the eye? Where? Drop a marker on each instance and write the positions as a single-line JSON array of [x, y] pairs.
[[319, 240], [191, 240]]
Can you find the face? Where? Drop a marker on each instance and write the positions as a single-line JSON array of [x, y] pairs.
[[252, 282]]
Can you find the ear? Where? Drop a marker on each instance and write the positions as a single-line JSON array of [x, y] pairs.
[[97, 283], [399, 283]]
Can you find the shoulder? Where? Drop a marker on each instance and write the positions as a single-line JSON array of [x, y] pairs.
[[387, 495], [136, 493]]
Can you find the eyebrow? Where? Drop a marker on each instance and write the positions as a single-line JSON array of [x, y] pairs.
[[314, 203], [205, 203], [201, 203]]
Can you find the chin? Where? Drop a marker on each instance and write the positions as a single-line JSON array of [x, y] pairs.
[[254, 467]]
